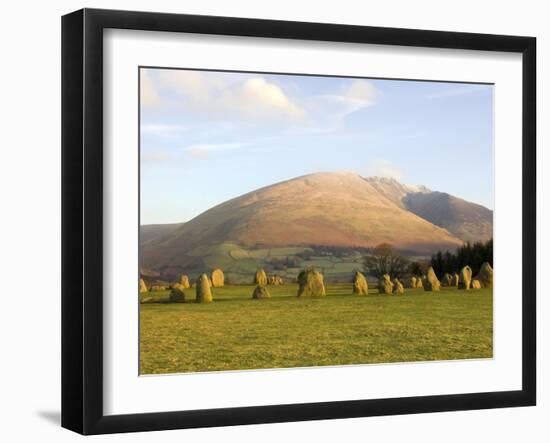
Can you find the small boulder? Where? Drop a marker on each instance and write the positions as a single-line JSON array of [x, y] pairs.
[[419, 282], [465, 278], [217, 278], [475, 284], [412, 282], [446, 280], [360, 284], [311, 284], [260, 292], [398, 287], [184, 281], [260, 278], [274, 280], [202, 290], [142, 286], [156, 288], [385, 286], [485, 275], [454, 280], [176, 294], [431, 283]]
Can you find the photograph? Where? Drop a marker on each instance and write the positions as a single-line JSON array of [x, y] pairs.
[[291, 220]]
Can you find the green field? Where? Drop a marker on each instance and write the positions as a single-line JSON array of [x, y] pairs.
[[235, 332], [240, 263]]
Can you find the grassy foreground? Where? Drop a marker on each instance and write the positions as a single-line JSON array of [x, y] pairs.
[[235, 332]]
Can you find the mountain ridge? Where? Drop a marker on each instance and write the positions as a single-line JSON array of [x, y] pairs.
[[340, 209]]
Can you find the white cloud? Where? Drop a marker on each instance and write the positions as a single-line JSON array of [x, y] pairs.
[[163, 130], [203, 151], [156, 155], [357, 95], [231, 96], [196, 151], [363, 92], [383, 168], [199, 154], [258, 95]]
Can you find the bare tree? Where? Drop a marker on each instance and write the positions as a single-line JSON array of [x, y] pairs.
[[384, 259]]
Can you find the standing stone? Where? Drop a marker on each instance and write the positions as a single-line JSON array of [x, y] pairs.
[[202, 290], [184, 281], [398, 287], [142, 286], [465, 278], [310, 284], [420, 282], [260, 278], [485, 275], [176, 294], [412, 282], [360, 284], [476, 284], [431, 283], [260, 292], [217, 278], [454, 280], [446, 280], [156, 288], [385, 286], [279, 280]]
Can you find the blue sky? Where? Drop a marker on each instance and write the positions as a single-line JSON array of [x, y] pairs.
[[207, 137]]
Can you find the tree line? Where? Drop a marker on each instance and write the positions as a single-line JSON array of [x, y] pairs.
[[471, 254], [384, 259]]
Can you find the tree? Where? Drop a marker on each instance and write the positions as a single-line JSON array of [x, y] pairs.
[[469, 254], [416, 269], [384, 259]]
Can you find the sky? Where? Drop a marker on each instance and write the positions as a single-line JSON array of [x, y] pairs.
[[208, 136]]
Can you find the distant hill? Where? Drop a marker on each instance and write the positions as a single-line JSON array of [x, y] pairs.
[[466, 220], [342, 210]]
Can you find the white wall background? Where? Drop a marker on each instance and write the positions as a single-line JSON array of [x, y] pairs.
[[30, 218]]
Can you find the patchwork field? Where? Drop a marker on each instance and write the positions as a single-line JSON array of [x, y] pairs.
[[239, 263], [235, 332]]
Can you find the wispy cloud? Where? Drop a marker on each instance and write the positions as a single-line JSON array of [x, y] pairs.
[[157, 155], [203, 151], [210, 147], [195, 151], [163, 130], [328, 112], [383, 168]]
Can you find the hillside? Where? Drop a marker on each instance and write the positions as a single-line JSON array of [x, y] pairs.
[[325, 209], [467, 221], [156, 232]]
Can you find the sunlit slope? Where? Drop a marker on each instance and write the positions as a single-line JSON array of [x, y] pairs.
[[324, 209]]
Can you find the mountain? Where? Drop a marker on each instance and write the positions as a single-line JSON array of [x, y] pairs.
[[155, 232], [323, 210], [466, 220], [393, 190]]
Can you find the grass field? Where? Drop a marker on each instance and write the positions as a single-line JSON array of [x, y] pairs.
[[235, 332]]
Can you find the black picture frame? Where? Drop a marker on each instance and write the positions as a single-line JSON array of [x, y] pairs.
[[82, 218]]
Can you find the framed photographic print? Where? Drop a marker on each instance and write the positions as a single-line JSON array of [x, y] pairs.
[[269, 221]]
